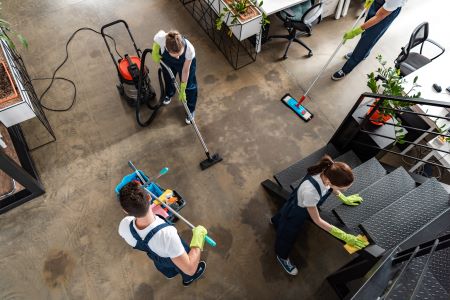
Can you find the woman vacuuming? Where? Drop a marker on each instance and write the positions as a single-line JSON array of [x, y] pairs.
[[179, 55], [321, 180]]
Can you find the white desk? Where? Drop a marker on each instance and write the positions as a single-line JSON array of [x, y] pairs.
[[271, 7], [434, 72]]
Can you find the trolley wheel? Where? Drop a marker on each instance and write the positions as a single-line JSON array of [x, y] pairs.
[[120, 89], [310, 54]]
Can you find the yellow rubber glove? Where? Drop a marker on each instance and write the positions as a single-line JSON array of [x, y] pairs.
[[182, 95], [198, 237], [352, 33], [368, 4], [351, 200], [155, 53], [348, 238]]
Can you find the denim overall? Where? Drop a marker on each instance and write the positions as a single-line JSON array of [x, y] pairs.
[[163, 264], [176, 65], [289, 220], [370, 36]]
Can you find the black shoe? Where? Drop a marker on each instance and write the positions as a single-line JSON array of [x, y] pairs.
[[338, 75], [200, 270]]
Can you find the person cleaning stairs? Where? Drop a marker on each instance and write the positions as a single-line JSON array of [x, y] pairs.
[[321, 180]]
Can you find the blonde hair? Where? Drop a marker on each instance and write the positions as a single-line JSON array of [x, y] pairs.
[[174, 41]]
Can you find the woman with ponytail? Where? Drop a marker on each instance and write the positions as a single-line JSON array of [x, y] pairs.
[[321, 180]]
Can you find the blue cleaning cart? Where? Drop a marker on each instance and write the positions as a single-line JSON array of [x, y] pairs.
[[156, 190]]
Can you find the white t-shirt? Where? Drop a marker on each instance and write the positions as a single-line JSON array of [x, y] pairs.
[[307, 194], [391, 5], [165, 243], [160, 38]]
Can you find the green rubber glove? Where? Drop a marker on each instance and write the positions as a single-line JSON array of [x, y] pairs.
[[182, 95], [352, 33], [351, 200], [348, 238], [368, 4], [155, 53], [198, 237]]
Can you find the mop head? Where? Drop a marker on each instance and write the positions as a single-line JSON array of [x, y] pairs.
[[301, 111], [351, 249]]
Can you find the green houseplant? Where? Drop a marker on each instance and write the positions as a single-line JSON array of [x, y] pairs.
[[392, 84], [240, 10], [8, 90]]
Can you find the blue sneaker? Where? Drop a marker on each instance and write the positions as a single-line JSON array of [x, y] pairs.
[[348, 55], [200, 270], [338, 75], [288, 266]]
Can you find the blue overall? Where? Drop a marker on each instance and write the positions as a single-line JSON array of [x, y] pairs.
[[163, 264], [176, 65], [290, 218], [370, 36]]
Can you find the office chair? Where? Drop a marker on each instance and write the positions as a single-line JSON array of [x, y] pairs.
[[408, 61], [300, 28]]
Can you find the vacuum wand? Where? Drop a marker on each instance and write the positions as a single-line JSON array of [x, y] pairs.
[[328, 62], [211, 159], [207, 238]]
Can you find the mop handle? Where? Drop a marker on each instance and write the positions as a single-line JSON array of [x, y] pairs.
[[207, 238], [332, 56], [186, 108]]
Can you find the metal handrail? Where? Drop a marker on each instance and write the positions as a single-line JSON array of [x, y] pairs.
[[400, 275], [424, 270], [409, 100]]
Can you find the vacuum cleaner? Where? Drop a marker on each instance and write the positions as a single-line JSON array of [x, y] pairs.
[[133, 86]]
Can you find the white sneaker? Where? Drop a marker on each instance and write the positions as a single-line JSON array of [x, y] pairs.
[[166, 100]]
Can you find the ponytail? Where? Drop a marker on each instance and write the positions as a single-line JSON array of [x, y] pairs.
[[339, 173]]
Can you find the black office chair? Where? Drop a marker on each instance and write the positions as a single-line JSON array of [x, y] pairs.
[[408, 61], [300, 28]]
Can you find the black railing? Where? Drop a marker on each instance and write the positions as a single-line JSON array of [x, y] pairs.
[[357, 131]]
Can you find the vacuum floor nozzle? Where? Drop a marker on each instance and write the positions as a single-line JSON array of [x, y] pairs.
[[210, 161]]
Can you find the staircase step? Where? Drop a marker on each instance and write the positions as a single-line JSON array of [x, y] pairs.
[[396, 222], [348, 157], [440, 267], [376, 197], [298, 169], [365, 174], [430, 286]]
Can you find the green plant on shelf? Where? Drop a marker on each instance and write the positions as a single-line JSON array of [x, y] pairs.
[[239, 9], [5, 28], [392, 84]]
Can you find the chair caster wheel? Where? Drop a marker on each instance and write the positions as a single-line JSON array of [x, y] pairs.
[[284, 57], [310, 54]]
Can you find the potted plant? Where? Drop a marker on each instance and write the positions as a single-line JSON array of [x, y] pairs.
[[391, 85], [8, 89], [242, 17]]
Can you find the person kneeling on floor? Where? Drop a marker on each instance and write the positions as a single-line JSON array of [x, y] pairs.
[[321, 180], [179, 55], [145, 231]]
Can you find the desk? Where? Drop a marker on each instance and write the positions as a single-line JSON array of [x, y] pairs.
[[434, 72]]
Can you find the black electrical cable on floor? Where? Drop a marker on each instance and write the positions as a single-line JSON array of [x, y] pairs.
[[53, 78]]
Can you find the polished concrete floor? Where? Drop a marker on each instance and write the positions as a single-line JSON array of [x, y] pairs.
[[64, 245]]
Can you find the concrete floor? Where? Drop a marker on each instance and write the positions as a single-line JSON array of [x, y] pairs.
[[65, 243]]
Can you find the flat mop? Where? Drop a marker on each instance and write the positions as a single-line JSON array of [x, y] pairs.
[[210, 159], [295, 105]]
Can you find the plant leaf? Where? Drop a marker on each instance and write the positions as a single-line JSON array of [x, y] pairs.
[[23, 40]]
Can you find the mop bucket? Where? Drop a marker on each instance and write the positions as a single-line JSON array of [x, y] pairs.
[[157, 191]]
